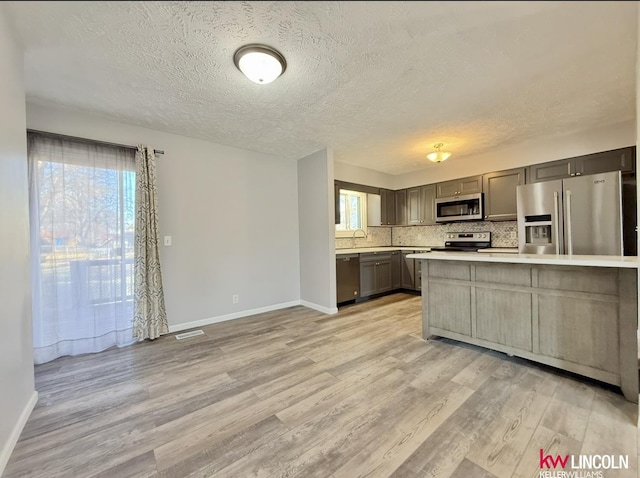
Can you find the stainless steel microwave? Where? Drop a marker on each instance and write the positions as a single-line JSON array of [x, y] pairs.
[[460, 208]]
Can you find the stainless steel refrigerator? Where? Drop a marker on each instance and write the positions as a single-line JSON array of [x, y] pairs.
[[578, 215]]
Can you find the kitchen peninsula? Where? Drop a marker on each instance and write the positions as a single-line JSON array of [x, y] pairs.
[[576, 313]]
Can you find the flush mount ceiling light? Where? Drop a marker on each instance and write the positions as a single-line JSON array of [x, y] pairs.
[[260, 63], [438, 155]]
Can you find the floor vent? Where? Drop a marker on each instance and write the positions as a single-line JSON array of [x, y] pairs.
[[188, 335]]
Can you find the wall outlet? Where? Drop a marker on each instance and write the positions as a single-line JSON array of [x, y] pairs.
[[235, 298]]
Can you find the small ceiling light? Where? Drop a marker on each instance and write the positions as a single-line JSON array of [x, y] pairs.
[[438, 155], [260, 63]]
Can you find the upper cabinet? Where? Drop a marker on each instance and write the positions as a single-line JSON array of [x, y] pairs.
[[428, 205], [548, 171], [421, 205], [459, 187], [413, 206], [614, 160], [500, 194], [401, 207], [387, 207]]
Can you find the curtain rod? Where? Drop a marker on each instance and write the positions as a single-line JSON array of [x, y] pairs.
[[86, 140]]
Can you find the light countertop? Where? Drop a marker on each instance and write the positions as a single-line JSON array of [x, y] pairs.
[[510, 250], [363, 250], [627, 262]]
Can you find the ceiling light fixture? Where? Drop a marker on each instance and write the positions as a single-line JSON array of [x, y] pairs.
[[438, 155], [260, 63]]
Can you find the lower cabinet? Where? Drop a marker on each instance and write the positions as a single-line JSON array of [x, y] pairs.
[[367, 278], [376, 274], [396, 270]]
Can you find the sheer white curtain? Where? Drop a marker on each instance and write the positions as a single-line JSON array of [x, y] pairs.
[[82, 200]]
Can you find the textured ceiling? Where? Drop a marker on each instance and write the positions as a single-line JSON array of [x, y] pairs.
[[379, 82]]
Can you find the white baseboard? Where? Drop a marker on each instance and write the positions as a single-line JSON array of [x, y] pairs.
[[319, 308], [235, 315], [10, 444]]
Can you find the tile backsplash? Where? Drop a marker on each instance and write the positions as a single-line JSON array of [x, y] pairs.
[[376, 236], [503, 234]]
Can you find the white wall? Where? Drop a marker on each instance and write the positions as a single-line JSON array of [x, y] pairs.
[[359, 175], [539, 150], [232, 213], [317, 230], [17, 395]]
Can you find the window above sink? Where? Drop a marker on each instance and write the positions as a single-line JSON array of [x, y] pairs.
[[353, 213]]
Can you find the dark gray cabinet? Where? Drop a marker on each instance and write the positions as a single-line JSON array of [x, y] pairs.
[[615, 160], [367, 278], [459, 187], [547, 171], [376, 274], [413, 206], [428, 205], [387, 207], [396, 270], [401, 207], [605, 161], [384, 278], [421, 209], [500, 194]]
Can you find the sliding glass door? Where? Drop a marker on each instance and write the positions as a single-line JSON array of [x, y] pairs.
[[82, 229]]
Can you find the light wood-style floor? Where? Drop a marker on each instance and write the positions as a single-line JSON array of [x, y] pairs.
[[298, 393]]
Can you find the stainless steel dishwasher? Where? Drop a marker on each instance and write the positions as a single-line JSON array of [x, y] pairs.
[[347, 277]]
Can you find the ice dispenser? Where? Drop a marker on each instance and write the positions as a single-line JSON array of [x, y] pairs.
[[538, 230]]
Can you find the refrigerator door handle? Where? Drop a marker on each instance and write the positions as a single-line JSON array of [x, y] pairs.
[[569, 239], [555, 222]]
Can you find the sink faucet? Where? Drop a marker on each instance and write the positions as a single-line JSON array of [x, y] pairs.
[[363, 232], [353, 238]]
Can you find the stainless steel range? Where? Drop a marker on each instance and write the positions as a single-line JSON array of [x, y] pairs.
[[465, 242]]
